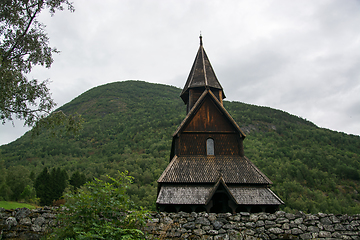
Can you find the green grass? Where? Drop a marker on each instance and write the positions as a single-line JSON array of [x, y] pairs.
[[13, 205]]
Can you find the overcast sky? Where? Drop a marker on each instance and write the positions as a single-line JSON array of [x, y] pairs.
[[300, 56]]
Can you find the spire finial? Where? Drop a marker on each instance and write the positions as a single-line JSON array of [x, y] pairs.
[[200, 39]]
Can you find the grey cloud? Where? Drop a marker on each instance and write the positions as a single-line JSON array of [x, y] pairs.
[[299, 56]]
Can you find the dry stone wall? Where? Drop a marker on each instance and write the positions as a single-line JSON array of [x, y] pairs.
[[23, 223], [279, 225], [33, 224]]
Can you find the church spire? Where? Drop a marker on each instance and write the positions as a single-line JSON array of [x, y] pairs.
[[201, 77]]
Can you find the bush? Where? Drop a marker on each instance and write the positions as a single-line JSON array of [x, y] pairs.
[[101, 210]]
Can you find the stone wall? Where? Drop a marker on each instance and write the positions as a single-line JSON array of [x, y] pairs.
[[33, 224], [279, 225], [23, 223]]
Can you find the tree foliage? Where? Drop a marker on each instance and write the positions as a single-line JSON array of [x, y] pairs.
[[101, 210], [15, 184], [23, 45]]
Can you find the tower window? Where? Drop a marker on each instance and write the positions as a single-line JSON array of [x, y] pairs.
[[210, 146]]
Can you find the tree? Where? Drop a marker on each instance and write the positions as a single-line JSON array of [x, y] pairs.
[[58, 181], [77, 180], [50, 186], [42, 187], [23, 45], [5, 190], [17, 179], [101, 210]]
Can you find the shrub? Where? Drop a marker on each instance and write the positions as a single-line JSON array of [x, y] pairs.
[[101, 210]]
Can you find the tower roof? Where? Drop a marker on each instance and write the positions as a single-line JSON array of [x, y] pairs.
[[201, 74]]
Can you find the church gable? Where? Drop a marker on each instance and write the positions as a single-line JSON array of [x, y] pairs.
[[209, 118], [208, 115]]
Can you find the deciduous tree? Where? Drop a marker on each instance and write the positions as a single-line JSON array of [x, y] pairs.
[[23, 45]]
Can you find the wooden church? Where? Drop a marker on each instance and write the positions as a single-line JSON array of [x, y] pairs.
[[208, 170]]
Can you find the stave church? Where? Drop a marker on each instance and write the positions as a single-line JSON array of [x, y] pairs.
[[208, 170]]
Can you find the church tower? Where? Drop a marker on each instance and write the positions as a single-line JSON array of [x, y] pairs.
[[201, 77], [208, 170]]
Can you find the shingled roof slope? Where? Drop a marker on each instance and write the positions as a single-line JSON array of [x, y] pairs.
[[201, 74], [184, 194], [207, 169], [254, 196], [201, 194]]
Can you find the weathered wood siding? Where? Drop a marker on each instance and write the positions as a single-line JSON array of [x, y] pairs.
[[194, 95], [195, 143], [210, 119]]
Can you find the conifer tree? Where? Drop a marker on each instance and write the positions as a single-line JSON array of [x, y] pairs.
[[77, 180], [42, 187], [50, 186]]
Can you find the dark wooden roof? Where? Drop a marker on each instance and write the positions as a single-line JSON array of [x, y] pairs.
[[254, 196], [198, 104], [208, 169], [184, 194], [202, 194], [201, 74]]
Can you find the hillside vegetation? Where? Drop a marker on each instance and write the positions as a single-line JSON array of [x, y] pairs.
[[129, 125]]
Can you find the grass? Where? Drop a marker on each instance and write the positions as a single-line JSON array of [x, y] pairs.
[[13, 205]]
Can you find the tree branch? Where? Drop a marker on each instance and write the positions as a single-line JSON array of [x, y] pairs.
[[31, 19]]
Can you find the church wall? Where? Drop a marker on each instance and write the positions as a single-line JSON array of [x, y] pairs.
[[209, 118], [194, 95], [218, 94], [224, 143]]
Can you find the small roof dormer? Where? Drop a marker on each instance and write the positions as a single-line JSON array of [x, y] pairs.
[[201, 77]]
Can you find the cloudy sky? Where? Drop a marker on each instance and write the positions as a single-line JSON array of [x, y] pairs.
[[300, 56]]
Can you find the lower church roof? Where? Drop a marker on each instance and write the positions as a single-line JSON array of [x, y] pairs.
[[208, 169], [200, 194], [254, 196], [184, 194]]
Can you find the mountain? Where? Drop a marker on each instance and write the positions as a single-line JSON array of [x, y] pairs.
[[129, 125]]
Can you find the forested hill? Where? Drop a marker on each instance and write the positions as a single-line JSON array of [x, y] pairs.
[[129, 125]]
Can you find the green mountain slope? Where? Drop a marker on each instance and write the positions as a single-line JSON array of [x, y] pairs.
[[129, 125]]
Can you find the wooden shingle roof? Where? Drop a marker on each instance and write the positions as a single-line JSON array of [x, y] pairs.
[[184, 194], [201, 194], [201, 74], [254, 196], [208, 169]]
